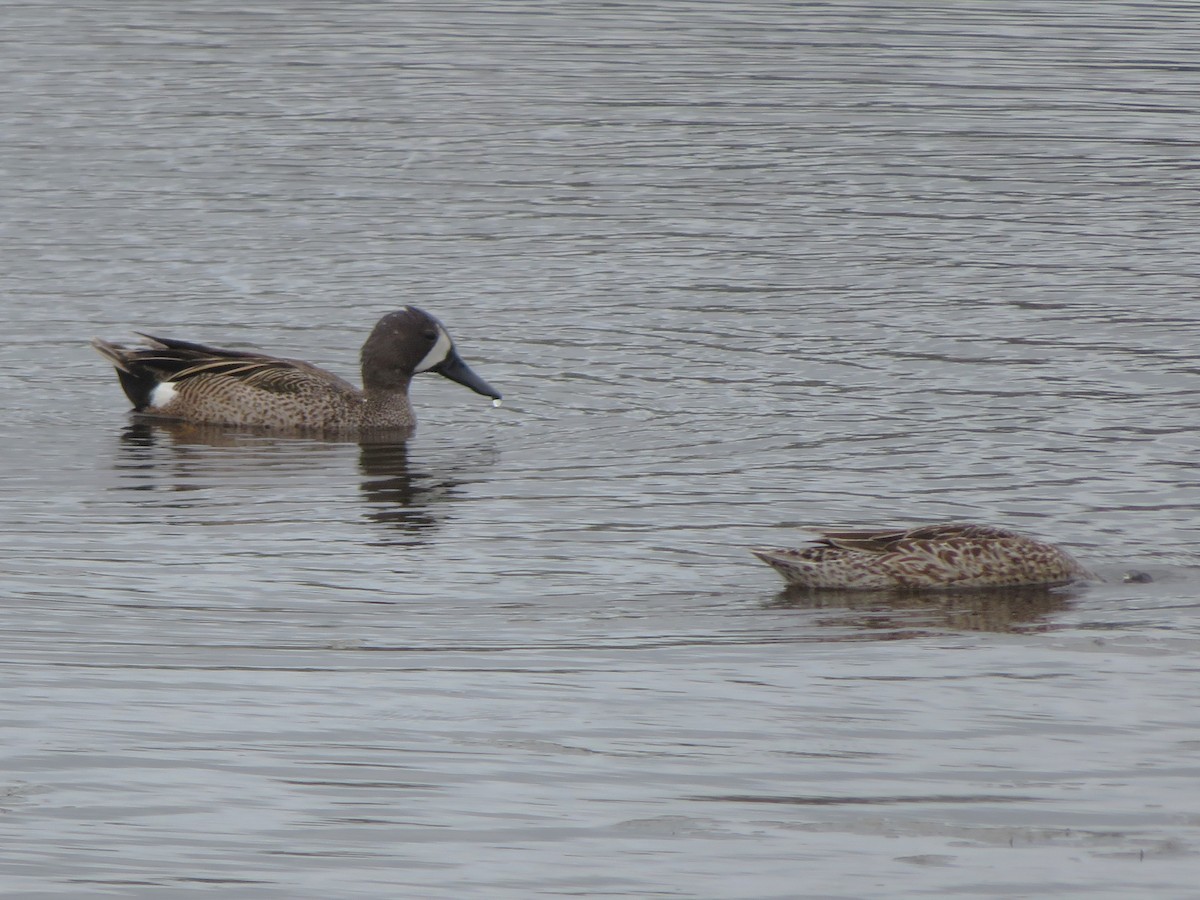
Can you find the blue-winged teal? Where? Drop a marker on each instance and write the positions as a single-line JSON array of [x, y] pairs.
[[932, 556], [181, 380]]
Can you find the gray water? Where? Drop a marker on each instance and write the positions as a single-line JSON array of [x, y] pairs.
[[738, 268]]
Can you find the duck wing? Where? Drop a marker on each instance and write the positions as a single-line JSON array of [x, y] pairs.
[[183, 360], [203, 369], [889, 540]]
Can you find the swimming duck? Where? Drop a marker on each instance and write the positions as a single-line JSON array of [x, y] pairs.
[[196, 383], [954, 555]]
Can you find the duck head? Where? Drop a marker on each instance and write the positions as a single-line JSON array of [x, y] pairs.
[[410, 341]]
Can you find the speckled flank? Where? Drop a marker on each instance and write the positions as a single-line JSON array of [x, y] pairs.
[[312, 404], [208, 385], [935, 556]]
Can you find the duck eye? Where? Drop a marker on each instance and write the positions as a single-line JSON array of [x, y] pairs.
[[430, 335]]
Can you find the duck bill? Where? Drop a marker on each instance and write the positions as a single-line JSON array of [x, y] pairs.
[[455, 369]]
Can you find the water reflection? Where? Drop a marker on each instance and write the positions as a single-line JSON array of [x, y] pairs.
[[147, 433], [1024, 609], [400, 495], [397, 492], [165, 455]]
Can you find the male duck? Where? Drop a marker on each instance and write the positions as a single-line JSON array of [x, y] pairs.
[[181, 380], [931, 556]]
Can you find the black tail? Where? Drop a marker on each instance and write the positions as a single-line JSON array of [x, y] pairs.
[[138, 385]]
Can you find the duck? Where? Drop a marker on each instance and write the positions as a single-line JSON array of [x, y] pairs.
[[948, 555], [196, 383]]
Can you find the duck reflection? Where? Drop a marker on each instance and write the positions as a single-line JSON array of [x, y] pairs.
[[147, 433], [1022, 609], [164, 455], [398, 493]]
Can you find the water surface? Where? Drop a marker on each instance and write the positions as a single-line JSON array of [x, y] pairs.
[[737, 269]]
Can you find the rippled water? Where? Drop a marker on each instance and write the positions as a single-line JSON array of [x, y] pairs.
[[737, 268]]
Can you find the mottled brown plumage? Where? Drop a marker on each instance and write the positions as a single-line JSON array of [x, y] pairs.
[[196, 383], [931, 556]]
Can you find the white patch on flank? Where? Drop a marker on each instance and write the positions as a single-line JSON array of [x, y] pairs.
[[163, 393], [439, 352]]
